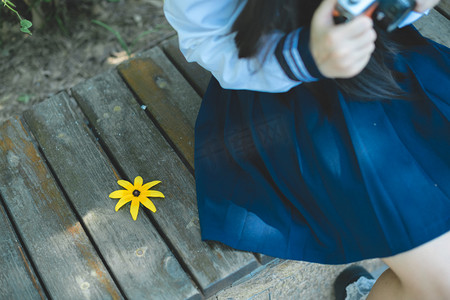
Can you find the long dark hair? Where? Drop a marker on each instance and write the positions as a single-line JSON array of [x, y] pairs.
[[259, 17]]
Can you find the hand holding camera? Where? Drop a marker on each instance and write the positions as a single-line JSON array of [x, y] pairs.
[[343, 50], [387, 14], [340, 51]]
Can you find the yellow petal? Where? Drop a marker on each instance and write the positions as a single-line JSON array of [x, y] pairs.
[[138, 182], [123, 201], [134, 208], [153, 194], [149, 185], [119, 194], [149, 204], [126, 184]]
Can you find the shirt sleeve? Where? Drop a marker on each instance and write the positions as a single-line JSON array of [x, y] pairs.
[[204, 33]]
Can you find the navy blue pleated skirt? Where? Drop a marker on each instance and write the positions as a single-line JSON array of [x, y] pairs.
[[329, 180]]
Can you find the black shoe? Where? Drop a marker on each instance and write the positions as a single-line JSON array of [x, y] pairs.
[[348, 276]]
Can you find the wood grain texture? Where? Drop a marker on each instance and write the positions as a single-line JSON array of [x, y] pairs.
[[62, 253], [435, 26], [140, 260], [18, 279], [197, 77], [138, 74], [169, 99], [140, 149], [444, 8], [264, 259]]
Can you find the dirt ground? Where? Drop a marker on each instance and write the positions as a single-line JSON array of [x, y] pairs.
[[32, 68]]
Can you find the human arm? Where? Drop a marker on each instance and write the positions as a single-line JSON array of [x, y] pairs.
[[204, 28], [284, 60], [425, 5]]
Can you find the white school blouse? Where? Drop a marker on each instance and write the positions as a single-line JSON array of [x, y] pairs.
[[204, 33]]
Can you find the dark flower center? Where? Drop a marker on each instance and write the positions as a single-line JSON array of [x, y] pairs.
[[136, 193]]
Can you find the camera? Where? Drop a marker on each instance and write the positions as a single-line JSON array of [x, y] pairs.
[[387, 14]]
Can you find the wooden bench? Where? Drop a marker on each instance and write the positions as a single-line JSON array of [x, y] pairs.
[[60, 237]]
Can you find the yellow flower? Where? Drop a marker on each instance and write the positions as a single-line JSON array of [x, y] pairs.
[[136, 193]]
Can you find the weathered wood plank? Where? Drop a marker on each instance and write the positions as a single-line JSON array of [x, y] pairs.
[[63, 255], [139, 259], [435, 26], [169, 99], [197, 77], [444, 8], [140, 149], [138, 74], [18, 279]]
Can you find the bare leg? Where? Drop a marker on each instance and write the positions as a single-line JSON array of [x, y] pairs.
[[388, 286], [421, 273]]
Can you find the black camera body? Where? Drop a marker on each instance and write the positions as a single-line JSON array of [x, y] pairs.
[[387, 14]]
